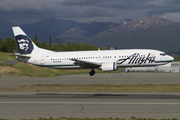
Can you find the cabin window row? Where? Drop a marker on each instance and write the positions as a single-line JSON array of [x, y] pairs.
[[75, 58], [86, 58], [92, 57]]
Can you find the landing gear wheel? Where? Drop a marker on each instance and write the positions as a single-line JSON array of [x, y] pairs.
[[156, 70], [92, 72]]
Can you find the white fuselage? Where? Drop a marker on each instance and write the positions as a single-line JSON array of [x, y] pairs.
[[123, 58], [106, 60]]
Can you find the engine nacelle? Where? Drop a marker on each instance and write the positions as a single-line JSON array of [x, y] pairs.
[[109, 66]]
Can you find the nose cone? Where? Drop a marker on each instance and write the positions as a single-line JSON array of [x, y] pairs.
[[170, 58]]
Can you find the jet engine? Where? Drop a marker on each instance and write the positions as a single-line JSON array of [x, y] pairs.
[[109, 66]]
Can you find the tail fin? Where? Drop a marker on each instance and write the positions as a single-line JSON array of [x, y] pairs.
[[25, 44]]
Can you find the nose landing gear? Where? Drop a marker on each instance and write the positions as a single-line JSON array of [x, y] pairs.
[[92, 72]]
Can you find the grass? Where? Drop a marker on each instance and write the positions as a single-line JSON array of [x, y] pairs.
[[95, 88], [24, 69], [36, 71], [5, 57]]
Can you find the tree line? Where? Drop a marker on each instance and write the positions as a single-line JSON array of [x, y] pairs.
[[177, 57], [9, 45]]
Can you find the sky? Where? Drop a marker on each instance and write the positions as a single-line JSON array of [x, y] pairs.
[[31, 11]]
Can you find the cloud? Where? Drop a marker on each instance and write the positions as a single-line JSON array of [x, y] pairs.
[[87, 10], [175, 16]]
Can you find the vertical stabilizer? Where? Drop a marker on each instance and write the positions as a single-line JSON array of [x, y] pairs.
[[25, 44]]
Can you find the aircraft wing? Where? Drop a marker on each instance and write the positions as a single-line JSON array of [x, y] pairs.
[[86, 64]]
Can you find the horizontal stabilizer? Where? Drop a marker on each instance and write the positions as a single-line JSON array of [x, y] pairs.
[[20, 55]]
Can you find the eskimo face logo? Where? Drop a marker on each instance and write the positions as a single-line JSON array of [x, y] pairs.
[[23, 44]]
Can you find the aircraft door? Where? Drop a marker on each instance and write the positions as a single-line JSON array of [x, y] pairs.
[[42, 60]]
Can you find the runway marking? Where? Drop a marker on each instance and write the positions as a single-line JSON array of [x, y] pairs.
[[88, 103]]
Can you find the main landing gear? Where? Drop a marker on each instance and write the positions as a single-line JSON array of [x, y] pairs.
[[92, 72]]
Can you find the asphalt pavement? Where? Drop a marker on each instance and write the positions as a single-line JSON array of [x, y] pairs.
[[19, 105]]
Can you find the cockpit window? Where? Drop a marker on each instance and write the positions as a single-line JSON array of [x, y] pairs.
[[162, 54]]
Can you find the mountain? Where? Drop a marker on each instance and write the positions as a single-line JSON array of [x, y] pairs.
[[150, 32], [54, 28], [29, 29], [5, 26], [44, 28], [80, 33], [125, 21]]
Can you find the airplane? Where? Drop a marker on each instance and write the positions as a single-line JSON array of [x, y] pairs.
[[105, 60]]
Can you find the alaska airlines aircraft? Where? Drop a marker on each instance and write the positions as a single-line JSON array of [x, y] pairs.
[[105, 60]]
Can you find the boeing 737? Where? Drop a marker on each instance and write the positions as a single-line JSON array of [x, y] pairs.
[[105, 60]]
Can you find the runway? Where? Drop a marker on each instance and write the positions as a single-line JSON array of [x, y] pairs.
[[19, 105], [89, 105], [105, 78]]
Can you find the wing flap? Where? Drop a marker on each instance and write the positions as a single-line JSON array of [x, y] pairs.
[[86, 64]]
